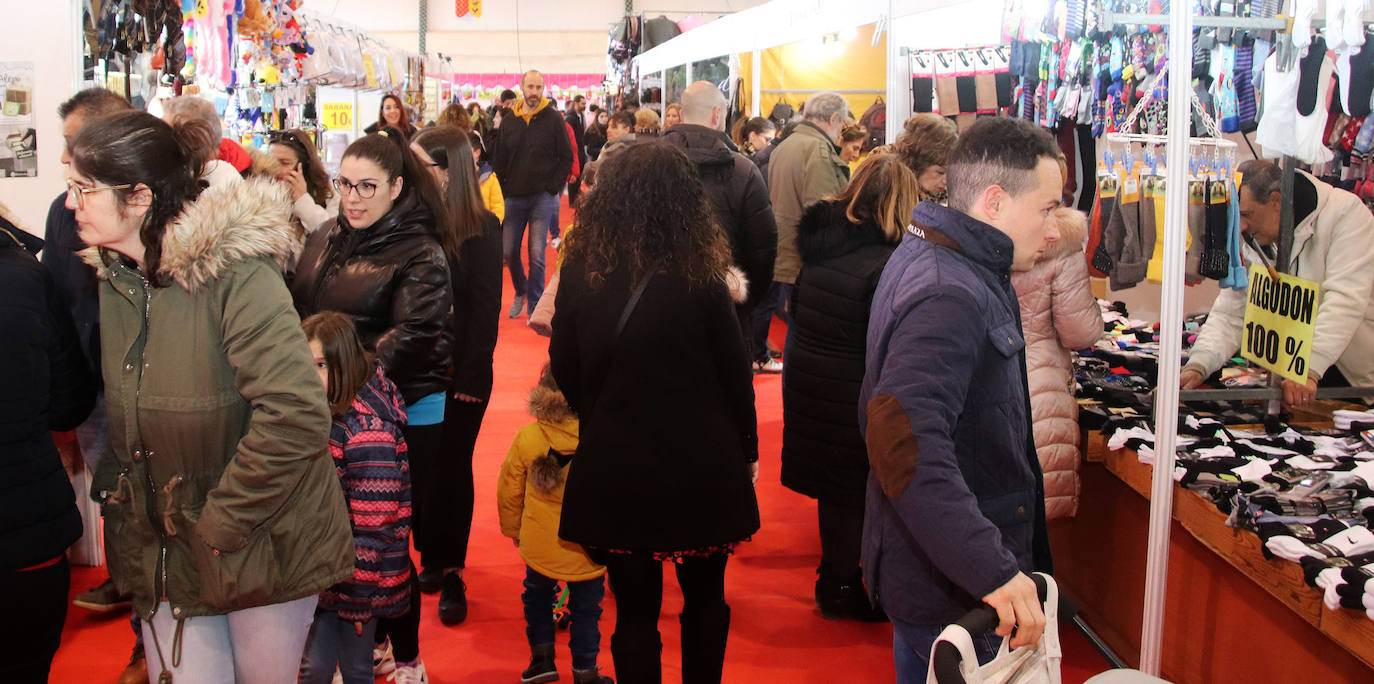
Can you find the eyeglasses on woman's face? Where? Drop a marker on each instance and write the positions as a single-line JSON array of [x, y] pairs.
[[74, 189], [364, 189]]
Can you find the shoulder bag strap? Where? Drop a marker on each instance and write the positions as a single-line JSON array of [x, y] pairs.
[[620, 328]]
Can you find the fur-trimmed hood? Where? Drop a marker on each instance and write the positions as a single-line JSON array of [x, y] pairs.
[[263, 165], [1073, 230], [227, 224]]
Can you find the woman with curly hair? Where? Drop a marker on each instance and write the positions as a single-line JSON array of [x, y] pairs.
[[924, 146], [304, 173], [647, 123], [648, 351]]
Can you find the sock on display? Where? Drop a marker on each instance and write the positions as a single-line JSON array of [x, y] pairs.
[[1236, 279], [1302, 22], [1246, 108], [1215, 258], [1151, 216], [1357, 84], [1101, 262], [1129, 258], [947, 90], [1197, 231], [1309, 70]]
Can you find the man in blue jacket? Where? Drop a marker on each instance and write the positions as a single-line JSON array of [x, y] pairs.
[[955, 504]]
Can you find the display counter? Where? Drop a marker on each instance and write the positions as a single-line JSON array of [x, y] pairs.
[[1231, 614]]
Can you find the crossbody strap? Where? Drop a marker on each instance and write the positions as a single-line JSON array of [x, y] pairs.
[[614, 342]]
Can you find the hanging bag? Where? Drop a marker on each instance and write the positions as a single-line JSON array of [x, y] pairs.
[[1038, 664]]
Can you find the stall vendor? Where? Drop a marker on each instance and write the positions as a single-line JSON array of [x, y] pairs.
[[1333, 246]]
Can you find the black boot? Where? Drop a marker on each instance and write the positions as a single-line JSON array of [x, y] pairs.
[[638, 657], [845, 599], [429, 579], [704, 634], [591, 676], [541, 667], [453, 599]]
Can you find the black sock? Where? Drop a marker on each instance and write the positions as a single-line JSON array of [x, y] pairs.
[[1310, 67]]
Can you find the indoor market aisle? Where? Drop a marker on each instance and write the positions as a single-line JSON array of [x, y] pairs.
[[777, 634]]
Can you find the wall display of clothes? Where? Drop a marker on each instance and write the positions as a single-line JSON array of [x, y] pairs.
[[1308, 494], [966, 81]]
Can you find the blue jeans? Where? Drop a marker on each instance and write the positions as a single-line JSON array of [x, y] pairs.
[[779, 301], [537, 211], [334, 641], [911, 650], [584, 605], [260, 645]]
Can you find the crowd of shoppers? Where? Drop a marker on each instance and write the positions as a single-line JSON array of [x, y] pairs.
[[272, 316]]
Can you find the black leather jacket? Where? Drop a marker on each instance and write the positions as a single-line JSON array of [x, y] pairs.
[[393, 280]]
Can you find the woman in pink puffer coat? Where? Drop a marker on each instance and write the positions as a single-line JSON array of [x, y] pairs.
[[1059, 314]]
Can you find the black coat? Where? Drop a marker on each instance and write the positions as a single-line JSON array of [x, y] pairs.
[[740, 197], [823, 452], [668, 425], [476, 309], [75, 277], [393, 280], [48, 386], [579, 126], [533, 157], [595, 139]]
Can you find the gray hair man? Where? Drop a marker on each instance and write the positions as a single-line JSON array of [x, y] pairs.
[[804, 169], [734, 186]]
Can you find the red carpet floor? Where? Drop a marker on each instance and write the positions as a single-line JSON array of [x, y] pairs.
[[777, 634]]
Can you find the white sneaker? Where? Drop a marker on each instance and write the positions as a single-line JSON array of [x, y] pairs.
[[410, 674], [556, 243], [770, 366], [383, 662]]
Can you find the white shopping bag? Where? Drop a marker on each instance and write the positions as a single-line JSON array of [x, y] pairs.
[[1038, 664]]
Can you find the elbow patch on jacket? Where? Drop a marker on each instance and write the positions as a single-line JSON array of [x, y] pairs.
[[892, 450]]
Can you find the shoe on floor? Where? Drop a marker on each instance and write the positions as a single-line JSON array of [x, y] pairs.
[[429, 580], [773, 351], [383, 661], [409, 673], [516, 307], [771, 366], [103, 598], [453, 599], [137, 670], [541, 667], [338, 677], [845, 599], [591, 676], [556, 243]]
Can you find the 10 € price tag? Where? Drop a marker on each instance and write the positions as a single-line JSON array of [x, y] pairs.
[[335, 115], [1280, 317]]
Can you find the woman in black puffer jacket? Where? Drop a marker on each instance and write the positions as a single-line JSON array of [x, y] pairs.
[[845, 242], [383, 262]]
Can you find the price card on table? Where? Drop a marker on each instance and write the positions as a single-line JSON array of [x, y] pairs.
[[335, 115], [1280, 317]]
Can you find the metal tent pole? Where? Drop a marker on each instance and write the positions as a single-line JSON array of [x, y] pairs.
[[1171, 342], [756, 86]]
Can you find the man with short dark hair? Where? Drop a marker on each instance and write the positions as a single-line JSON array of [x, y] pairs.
[[955, 509], [532, 157], [1333, 246], [576, 107], [78, 281]]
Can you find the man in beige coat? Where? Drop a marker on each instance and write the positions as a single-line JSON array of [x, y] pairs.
[[805, 169]]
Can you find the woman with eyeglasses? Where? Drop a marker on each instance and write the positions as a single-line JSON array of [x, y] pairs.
[[224, 518], [392, 114], [443, 497], [382, 262], [303, 172]]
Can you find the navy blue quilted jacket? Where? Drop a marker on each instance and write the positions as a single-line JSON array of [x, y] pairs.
[[954, 505]]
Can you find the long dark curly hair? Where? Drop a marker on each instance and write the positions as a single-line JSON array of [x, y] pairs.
[[649, 213]]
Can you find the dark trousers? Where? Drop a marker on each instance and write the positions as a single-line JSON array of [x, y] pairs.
[[584, 610], [636, 645], [431, 516], [38, 599], [842, 529], [404, 630], [442, 488], [779, 301]]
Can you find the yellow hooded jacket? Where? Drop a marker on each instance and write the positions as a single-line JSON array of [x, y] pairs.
[[529, 492]]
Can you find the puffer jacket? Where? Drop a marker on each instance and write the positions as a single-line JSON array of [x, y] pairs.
[[740, 197], [370, 458], [218, 490], [823, 453], [529, 491], [1333, 247], [492, 198], [1059, 314], [802, 170], [392, 279]]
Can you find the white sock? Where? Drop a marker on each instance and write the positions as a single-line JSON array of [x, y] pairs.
[[1254, 471], [1302, 22], [1352, 541], [1334, 33], [1290, 548], [1353, 28]]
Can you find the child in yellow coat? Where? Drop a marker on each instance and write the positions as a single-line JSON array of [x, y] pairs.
[[530, 500]]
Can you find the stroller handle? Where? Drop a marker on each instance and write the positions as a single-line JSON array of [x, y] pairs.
[[946, 659]]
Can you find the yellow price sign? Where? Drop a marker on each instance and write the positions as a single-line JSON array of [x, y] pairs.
[[371, 70], [335, 115], [1280, 318]]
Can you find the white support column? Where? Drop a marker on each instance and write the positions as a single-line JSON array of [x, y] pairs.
[[756, 87], [1170, 327], [898, 95], [688, 80]]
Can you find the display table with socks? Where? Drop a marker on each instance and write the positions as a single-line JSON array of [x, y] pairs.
[[1270, 555]]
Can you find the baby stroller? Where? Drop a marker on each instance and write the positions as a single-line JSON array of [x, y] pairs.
[[954, 661]]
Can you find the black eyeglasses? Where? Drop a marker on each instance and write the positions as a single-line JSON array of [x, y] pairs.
[[365, 189]]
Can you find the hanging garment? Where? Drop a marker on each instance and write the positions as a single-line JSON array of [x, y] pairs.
[[1237, 278], [1245, 88], [1224, 88], [1197, 231], [1123, 236], [1216, 260], [1281, 130]]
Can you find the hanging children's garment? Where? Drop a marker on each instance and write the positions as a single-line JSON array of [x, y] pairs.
[[1237, 279]]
